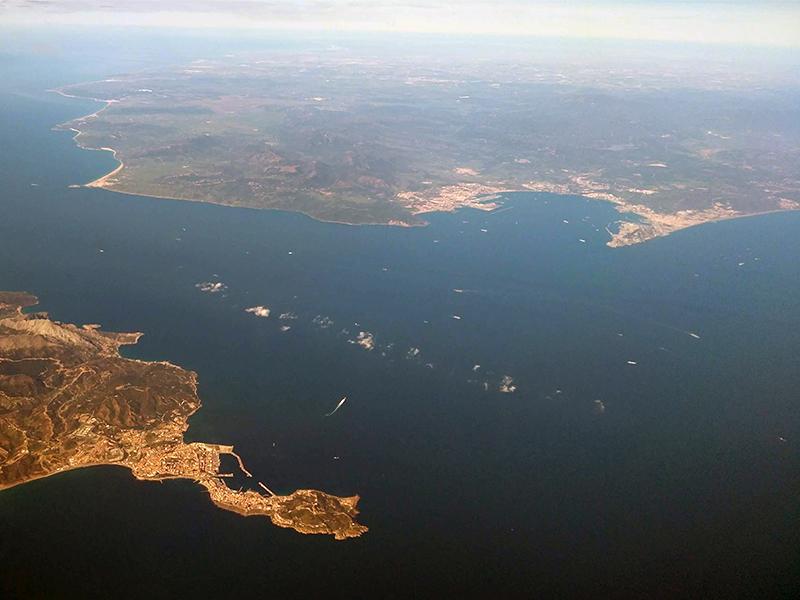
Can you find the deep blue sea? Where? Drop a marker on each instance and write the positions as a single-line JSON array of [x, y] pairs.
[[677, 475]]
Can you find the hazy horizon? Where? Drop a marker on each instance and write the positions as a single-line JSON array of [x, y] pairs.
[[738, 22]]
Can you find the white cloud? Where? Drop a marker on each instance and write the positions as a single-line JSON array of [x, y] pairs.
[[259, 311], [211, 287], [507, 385], [364, 339], [322, 321]]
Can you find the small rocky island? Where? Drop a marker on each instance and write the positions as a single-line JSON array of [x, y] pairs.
[[69, 400]]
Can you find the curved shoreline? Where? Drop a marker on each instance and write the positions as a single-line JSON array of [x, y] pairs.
[[100, 182], [631, 233], [95, 395]]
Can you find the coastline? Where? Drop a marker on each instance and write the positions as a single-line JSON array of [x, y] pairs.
[[150, 441], [102, 182], [652, 225], [722, 219]]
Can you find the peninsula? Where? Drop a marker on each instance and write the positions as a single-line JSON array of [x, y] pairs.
[[68, 400]]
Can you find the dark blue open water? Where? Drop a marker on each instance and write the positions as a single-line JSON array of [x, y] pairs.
[[681, 485]]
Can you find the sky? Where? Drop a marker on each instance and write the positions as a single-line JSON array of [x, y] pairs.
[[744, 22]]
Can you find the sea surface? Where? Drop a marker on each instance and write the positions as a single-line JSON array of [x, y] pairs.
[[631, 458]]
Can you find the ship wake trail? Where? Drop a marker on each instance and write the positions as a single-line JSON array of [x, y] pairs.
[[338, 406]]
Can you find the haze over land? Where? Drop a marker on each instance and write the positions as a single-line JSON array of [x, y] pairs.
[[371, 136], [520, 406]]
